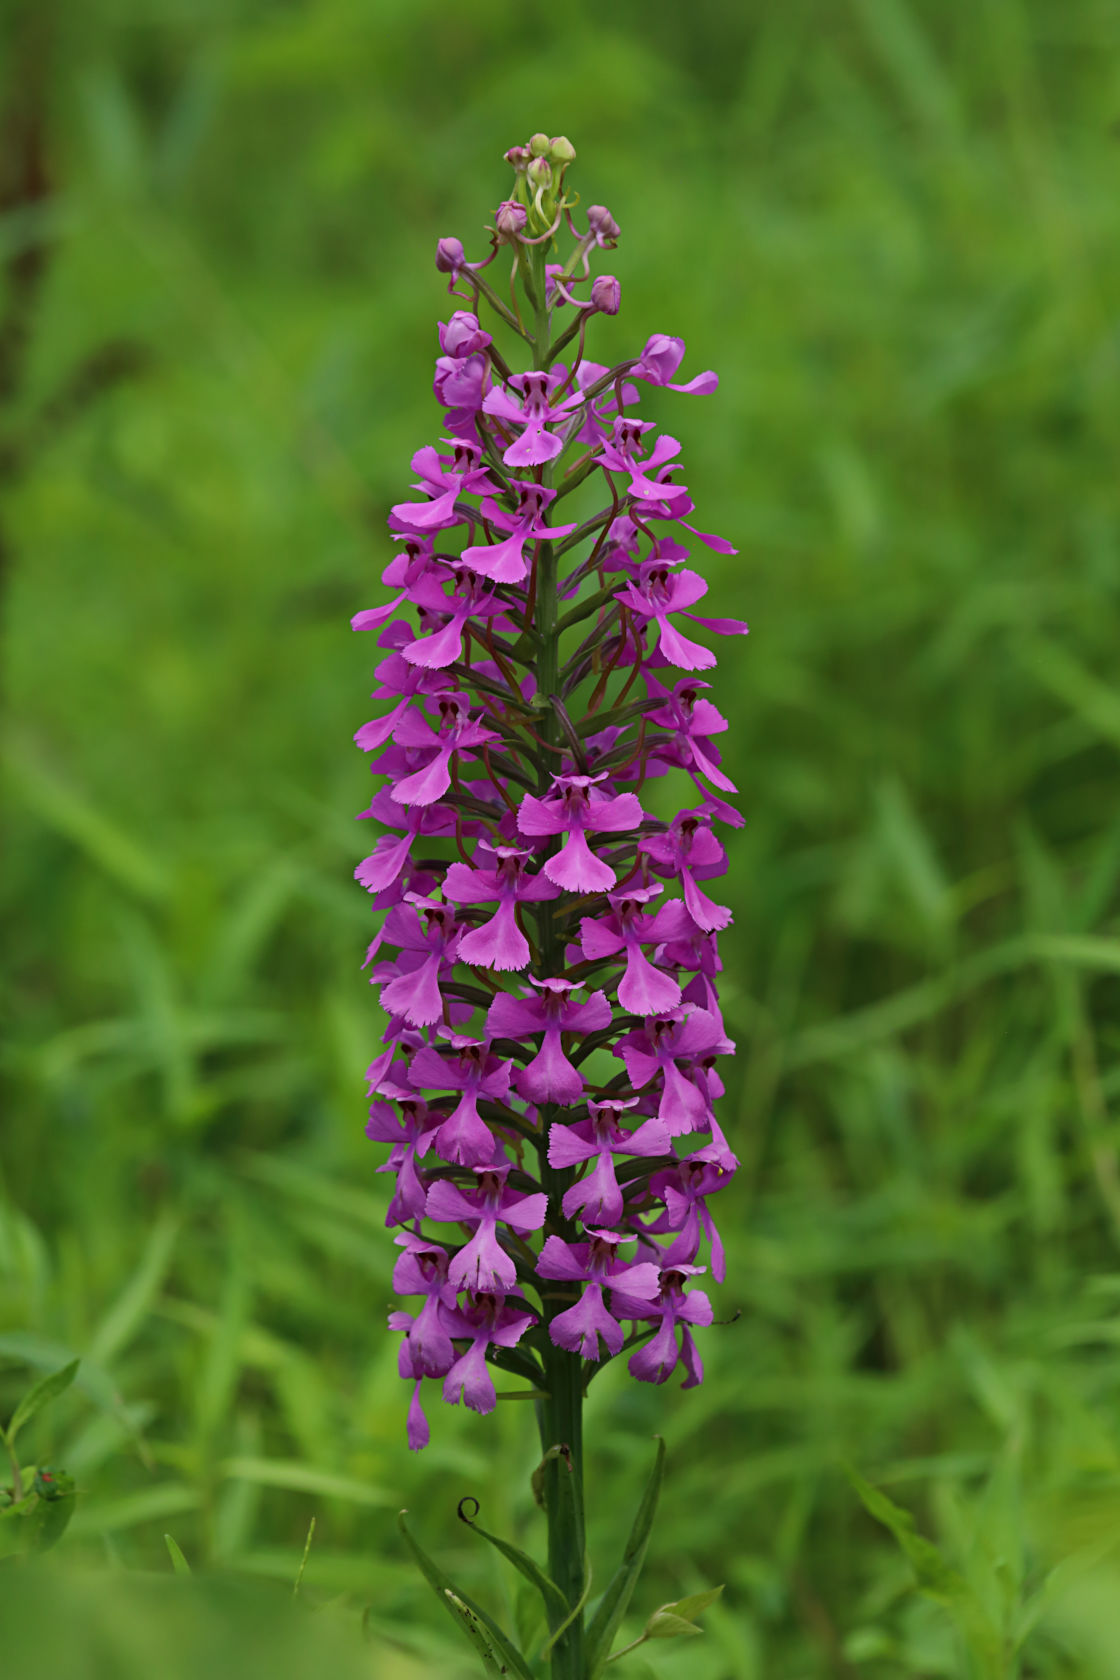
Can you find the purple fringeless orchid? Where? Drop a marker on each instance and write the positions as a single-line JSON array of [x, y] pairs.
[[546, 957], [547, 867]]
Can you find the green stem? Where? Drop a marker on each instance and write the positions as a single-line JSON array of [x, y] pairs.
[[17, 1479], [560, 1413]]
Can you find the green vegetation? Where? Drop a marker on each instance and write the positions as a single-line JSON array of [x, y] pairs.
[[891, 226]]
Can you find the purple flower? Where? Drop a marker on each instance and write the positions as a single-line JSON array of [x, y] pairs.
[[643, 989], [660, 360], [622, 454], [660, 591], [545, 949], [656, 1360], [427, 942], [531, 409], [472, 598], [505, 561], [655, 1052], [597, 1197], [450, 256], [689, 852], [578, 807], [490, 1320], [499, 943], [580, 1328], [445, 478], [456, 733], [422, 1270], [484, 1264], [464, 1137], [550, 1076]]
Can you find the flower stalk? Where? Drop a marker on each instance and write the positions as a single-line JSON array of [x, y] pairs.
[[548, 1072]]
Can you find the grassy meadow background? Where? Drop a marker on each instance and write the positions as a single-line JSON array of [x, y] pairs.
[[891, 225]]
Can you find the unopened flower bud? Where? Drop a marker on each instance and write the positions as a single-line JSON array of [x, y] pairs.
[[602, 225], [539, 145], [510, 218], [518, 157], [540, 172], [606, 294], [450, 256], [561, 150]]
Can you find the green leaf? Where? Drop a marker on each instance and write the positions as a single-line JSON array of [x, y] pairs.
[[616, 1600], [482, 1631], [475, 1632], [131, 1306], [302, 1478], [44, 1391], [178, 1562], [664, 1625], [555, 1604], [56, 1493], [92, 1380], [19, 1507], [601, 598], [672, 1620], [933, 1576]]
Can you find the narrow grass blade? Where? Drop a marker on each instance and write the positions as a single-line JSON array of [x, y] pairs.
[[482, 1631], [178, 1562], [302, 1478], [298, 1582], [615, 1601], [129, 1310]]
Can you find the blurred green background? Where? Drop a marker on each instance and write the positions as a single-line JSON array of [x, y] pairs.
[[891, 226]]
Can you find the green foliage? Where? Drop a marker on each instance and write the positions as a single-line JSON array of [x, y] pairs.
[[612, 1607], [890, 224], [44, 1391], [498, 1653]]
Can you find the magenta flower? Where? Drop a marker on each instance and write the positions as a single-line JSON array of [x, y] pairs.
[[526, 405], [464, 1137], [597, 1197], [426, 942], [656, 1359], [577, 807], [499, 943], [654, 1054], [581, 1328], [643, 989], [457, 732], [489, 1320], [445, 478], [660, 591], [484, 1264], [550, 1077], [689, 852], [660, 360], [505, 561], [545, 947]]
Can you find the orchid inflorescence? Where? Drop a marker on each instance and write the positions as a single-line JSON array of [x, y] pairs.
[[549, 1070]]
